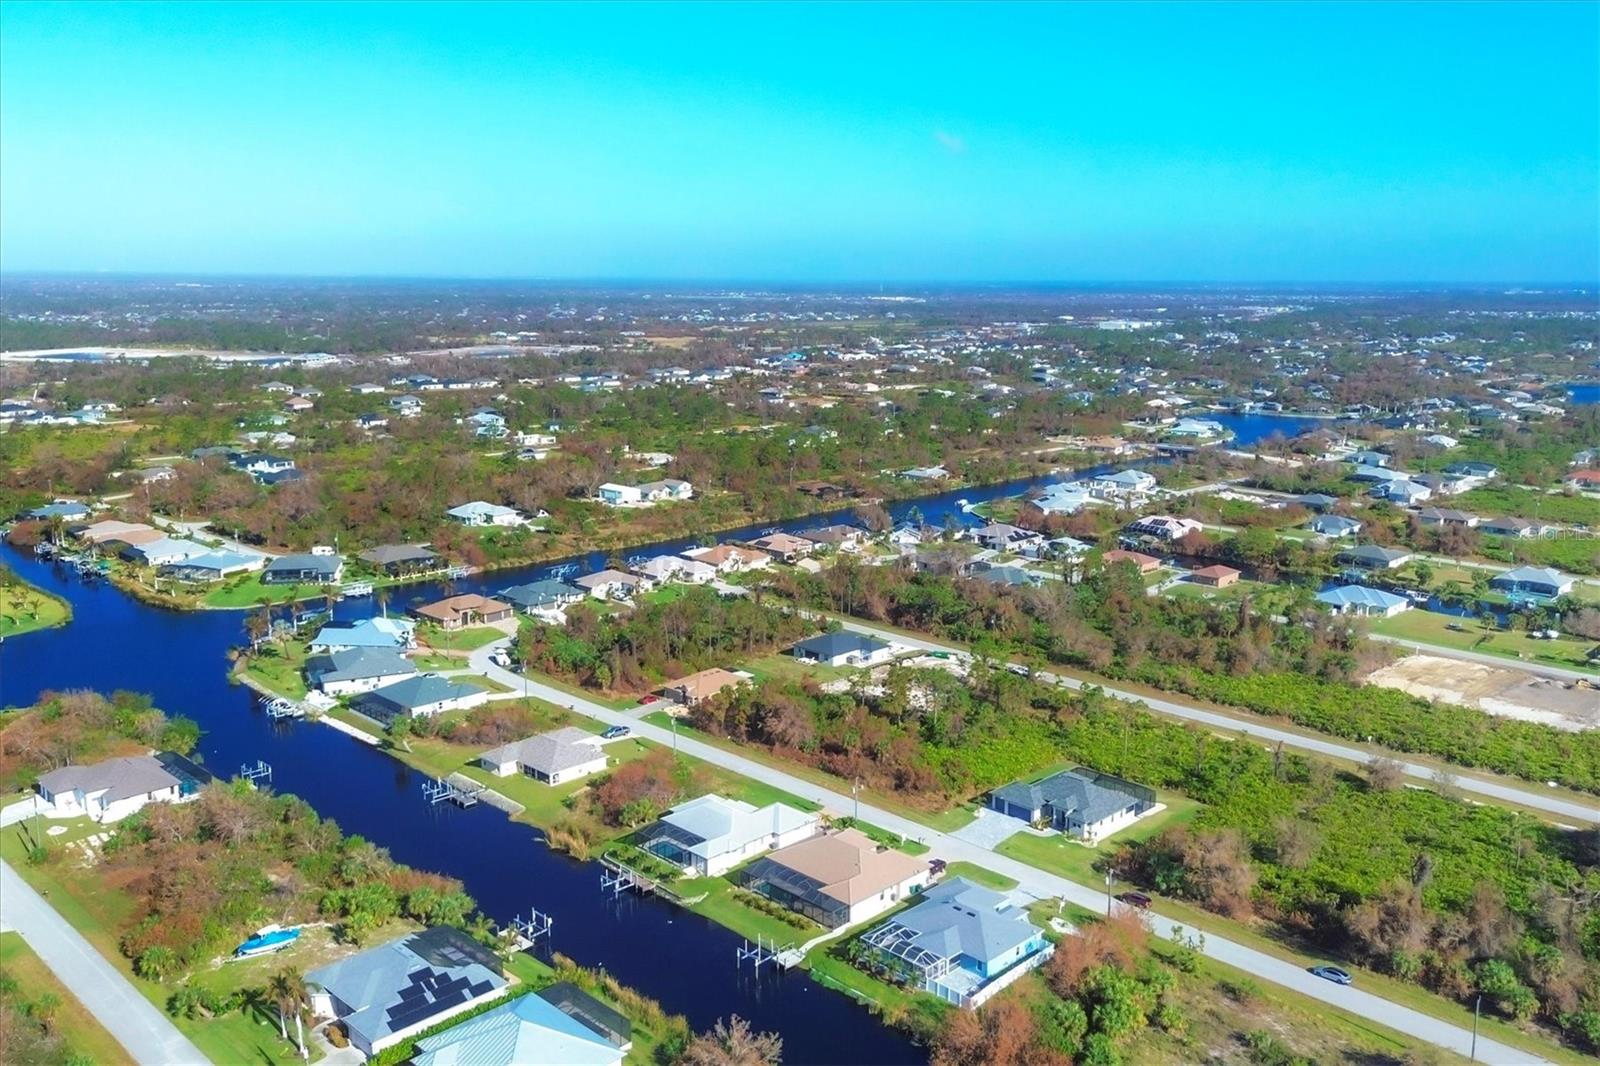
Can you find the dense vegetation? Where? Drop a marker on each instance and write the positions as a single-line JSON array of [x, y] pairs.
[[1303, 671], [662, 638], [84, 727]]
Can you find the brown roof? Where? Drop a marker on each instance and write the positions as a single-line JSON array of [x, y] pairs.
[[724, 552], [705, 684], [455, 606], [1217, 570], [783, 542], [1140, 559], [111, 529], [848, 865]]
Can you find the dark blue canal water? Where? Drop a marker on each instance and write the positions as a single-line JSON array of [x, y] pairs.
[[1589, 393], [1249, 428], [686, 962]]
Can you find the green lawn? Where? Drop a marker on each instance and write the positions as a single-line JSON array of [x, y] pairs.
[[1062, 855], [1473, 635], [239, 593], [469, 639], [783, 667], [24, 608], [890, 840], [81, 1034], [1493, 501], [717, 898], [279, 666], [981, 876], [1270, 599]]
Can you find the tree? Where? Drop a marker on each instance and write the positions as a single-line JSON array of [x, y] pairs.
[[734, 1043], [288, 991]]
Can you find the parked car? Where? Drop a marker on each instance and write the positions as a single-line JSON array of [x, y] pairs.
[[1332, 973], [1135, 899], [616, 731], [936, 866]]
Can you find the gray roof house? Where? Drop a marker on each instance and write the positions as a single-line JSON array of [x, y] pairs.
[[1372, 557], [418, 697], [400, 558], [840, 648], [962, 942], [303, 570], [1080, 802], [1540, 582], [388, 993], [543, 595], [357, 669], [555, 758], [1334, 525], [115, 788], [557, 1026]]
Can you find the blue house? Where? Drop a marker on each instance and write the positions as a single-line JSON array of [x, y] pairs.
[[1532, 583], [962, 942]]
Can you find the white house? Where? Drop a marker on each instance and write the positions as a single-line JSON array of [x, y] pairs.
[[1081, 803], [712, 834], [1164, 527], [1360, 600], [613, 584], [349, 671], [111, 790], [843, 648], [555, 758], [479, 513], [1125, 485], [613, 494]]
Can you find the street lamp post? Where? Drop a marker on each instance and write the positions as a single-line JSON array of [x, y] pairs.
[[1477, 1006], [1108, 891]]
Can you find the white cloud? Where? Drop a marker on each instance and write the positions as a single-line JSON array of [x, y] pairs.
[[950, 142]]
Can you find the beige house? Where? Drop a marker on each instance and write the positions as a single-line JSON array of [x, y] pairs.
[[837, 878]]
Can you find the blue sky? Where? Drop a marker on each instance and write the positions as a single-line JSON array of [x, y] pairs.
[[1332, 142]]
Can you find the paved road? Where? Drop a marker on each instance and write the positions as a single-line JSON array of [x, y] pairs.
[[147, 1034], [1574, 810], [1560, 673], [1032, 881]]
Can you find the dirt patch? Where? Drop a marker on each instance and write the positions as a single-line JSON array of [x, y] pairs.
[[1503, 691]]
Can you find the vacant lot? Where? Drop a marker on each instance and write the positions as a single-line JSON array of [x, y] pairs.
[[1503, 691]]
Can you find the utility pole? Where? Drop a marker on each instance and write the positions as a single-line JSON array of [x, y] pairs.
[[674, 734], [1477, 1006], [1108, 891], [855, 793]]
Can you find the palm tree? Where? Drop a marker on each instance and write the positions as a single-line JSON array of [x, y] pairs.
[[288, 990], [381, 594]]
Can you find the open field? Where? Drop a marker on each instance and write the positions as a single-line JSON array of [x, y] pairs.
[[1062, 855], [1470, 634], [1507, 692]]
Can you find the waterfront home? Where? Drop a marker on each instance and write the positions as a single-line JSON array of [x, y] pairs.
[[112, 789], [1373, 557], [1164, 528], [663, 568], [1444, 516], [1147, 564], [960, 942], [700, 686], [112, 530], [1128, 486], [1081, 803], [926, 473], [394, 633], [389, 993], [421, 696], [557, 1026], [303, 570], [1003, 537], [66, 510], [1065, 498], [837, 878], [711, 834], [164, 551], [555, 758], [613, 494], [843, 648], [730, 558], [842, 537], [613, 585], [467, 609], [783, 547], [544, 596], [1215, 576], [478, 513], [1360, 600], [1198, 428], [352, 670], [1334, 525], [398, 560], [215, 565], [1533, 582]]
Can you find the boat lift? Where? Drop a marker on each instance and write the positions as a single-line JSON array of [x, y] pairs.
[[261, 771], [355, 588], [766, 952], [279, 708], [525, 934], [438, 791]]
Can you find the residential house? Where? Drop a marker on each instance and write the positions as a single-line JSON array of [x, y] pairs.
[[1147, 564], [164, 551], [392, 992], [1002, 537], [960, 942], [479, 513], [730, 558], [351, 670], [467, 609], [837, 878], [616, 495], [1474, 469], [1533, 582], [1010, 576], [1405, 492], [393, 633], [712, 834], [839, 536], [613, 585], [1360, 600], [422, 696], [1316, 501], [783, 547], [1378, 459], [214, 565], [66, 510], [1334, 525], [557, 1026], [1164, 528], [843, 648], [1443, 516], [406, 406], [1520, 528], [666, 490], [1216, 576], [1065, 498], [546, 595], [663, 568], [555, 758], [398, 560], [926, 473], [1373, 557], [700, 686], [1583, 480], [112, 530], [1127, 486], [112, 789], [1082, 803], [303, 570]]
